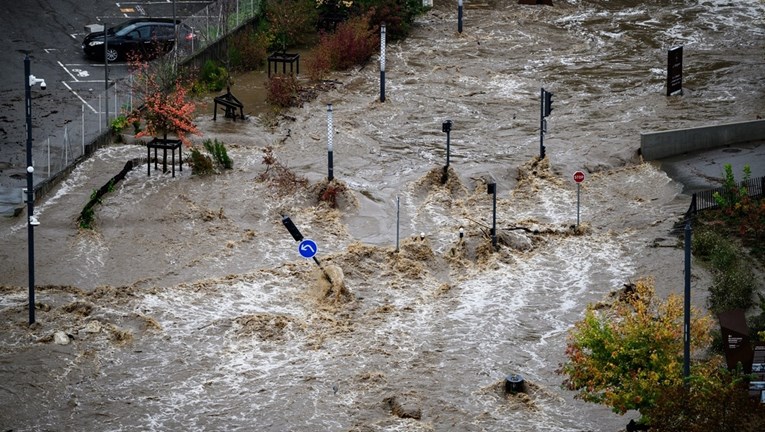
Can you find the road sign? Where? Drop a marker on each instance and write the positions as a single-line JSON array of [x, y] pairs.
[[307, 248], [578, 176]]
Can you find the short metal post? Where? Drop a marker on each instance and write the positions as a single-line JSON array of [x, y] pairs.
[[382, 62], [398, 220], [492, 189], [330, 168], [459, 16]]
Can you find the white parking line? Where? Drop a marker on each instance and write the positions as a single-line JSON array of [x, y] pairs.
[[67, 71], [79, 97]]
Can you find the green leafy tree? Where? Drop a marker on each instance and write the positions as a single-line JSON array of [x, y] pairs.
[[624, 355]]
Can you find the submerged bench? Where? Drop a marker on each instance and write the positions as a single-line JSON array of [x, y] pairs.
[[230, 103], [283, 58], [164, 145]]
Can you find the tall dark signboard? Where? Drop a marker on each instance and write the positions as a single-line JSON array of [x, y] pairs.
[[675, 70], [735, 335]]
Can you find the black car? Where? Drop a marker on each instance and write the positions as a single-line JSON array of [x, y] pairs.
[[143, 37]]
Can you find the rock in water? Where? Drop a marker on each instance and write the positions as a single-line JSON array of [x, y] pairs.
[[61, 338]]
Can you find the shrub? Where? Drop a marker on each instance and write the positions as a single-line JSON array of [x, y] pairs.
[[704, 243], [283, 91], [292, 22], [218, 152], [732, 289], [714, 399], [397, 15], [733, 282], [329, 193], [249, 49], [201, 164], [213, 77], [353, 43], [732, 193], [278, 176], [119, 123]]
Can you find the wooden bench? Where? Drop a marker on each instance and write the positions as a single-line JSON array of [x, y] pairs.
[[230, 103]]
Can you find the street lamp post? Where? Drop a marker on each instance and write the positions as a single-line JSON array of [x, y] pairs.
[[29, 81]]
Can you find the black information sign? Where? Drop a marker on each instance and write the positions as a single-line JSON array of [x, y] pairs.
[[735, 335], [675, 70]]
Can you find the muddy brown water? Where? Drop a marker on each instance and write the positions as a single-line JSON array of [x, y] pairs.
[[189, 308]]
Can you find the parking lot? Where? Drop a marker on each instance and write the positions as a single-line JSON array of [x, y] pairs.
[[53, 31]]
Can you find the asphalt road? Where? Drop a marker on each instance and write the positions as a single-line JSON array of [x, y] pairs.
[[53, 31]]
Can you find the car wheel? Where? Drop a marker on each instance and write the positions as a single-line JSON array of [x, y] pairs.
[[112, 54]]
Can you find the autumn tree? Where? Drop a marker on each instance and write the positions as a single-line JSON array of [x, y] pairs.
[[165, 106], [624, 355]]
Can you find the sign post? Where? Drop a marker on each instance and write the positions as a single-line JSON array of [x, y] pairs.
[[307, 248], [578, 178]]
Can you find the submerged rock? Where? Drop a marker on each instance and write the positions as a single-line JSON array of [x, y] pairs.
[[403, 408], [61, 338]]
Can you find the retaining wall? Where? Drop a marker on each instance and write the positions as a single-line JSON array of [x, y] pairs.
[[659, 145]]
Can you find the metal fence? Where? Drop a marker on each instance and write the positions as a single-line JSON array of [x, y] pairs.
[[706, 199], [56, 153]]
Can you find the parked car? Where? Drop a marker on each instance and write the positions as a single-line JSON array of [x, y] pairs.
[[144, 37]]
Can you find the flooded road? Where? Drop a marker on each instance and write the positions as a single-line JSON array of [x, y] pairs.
[[189, 307]]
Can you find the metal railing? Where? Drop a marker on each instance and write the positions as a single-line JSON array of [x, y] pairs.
[[705, 200]]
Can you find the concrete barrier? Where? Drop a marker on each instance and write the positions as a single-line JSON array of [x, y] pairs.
[[659, 145]]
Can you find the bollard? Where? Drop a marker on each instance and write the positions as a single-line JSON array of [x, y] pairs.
[[514, 383]]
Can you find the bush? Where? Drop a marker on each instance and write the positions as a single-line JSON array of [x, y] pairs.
[[119, 123], [212, 77], [292, 22], [218, 152], [214, 161], [734, 282], [278, 176], [397, 15], [201, 164], [732, 289], [249, 49], [283, 91], [353, 43]]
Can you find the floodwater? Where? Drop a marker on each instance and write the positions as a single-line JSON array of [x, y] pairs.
[[189, 307]]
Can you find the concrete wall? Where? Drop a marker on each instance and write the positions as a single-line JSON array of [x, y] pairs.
[[659, 145]]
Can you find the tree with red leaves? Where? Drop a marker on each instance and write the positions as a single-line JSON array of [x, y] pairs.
[[166, 108]]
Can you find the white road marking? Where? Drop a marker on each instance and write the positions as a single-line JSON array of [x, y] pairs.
[[67, 71], [79, 97]]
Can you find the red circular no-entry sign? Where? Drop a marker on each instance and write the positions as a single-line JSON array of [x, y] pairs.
[[578, 176]]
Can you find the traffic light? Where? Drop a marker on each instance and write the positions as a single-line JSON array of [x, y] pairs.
[[548, 103]]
